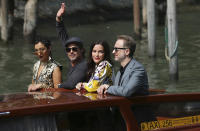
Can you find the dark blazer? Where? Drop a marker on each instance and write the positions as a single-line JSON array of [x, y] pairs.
[[78, 72], [133, 82]]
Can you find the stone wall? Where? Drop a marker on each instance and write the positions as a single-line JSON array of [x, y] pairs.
[[48, 8]]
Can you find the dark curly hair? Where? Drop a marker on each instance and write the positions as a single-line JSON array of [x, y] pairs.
[[45, 42]]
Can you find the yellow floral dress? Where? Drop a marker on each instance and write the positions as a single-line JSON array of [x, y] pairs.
[[102, 75]]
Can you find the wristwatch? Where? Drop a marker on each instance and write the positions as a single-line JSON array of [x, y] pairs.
[[59, 85]]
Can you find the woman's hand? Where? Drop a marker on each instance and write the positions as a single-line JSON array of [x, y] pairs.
[[34, 87], [80, 85]]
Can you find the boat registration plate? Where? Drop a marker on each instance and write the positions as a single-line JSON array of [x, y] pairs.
[[183, 121]]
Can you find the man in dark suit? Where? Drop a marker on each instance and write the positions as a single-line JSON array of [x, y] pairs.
[[131, 79]]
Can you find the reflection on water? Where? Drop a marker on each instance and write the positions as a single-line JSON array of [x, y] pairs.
[[16, 59]]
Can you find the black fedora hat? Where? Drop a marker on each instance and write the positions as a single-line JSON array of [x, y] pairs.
[[74, 40]]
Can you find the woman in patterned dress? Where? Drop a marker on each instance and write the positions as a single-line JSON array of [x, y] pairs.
[[99, 67], [46, 71]]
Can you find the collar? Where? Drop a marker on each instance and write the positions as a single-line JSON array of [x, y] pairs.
[[122, 69]]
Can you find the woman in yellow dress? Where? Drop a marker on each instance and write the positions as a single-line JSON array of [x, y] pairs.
[[99, 67]]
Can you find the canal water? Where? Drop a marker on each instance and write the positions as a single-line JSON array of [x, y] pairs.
[[16, 58]]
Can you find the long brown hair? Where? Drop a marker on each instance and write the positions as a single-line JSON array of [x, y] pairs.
[[91, 64]]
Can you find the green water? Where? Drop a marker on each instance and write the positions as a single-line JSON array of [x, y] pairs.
[[16, 59]]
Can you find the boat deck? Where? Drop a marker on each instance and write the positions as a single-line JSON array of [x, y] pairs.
[[61, 100]]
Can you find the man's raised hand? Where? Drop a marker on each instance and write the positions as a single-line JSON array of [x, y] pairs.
[[60, 12]]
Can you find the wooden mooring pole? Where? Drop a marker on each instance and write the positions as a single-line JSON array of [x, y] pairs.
[[4, 20], [136, 16], [151, 28], [144, 12], [30, 20], [172, 39]]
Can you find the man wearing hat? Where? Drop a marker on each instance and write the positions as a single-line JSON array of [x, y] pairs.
[[75, 52]]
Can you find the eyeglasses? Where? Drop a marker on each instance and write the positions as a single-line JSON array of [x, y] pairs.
[[117, 49], [73, 49], [36, 51]]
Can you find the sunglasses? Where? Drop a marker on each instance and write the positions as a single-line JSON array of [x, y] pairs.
[[75, 49], [117, 49], [36, 51]]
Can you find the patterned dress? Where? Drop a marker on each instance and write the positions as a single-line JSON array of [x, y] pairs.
[[102, 75], [46, 75]]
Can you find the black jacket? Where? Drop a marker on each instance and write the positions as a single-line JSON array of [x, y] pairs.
[[78, 72]]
